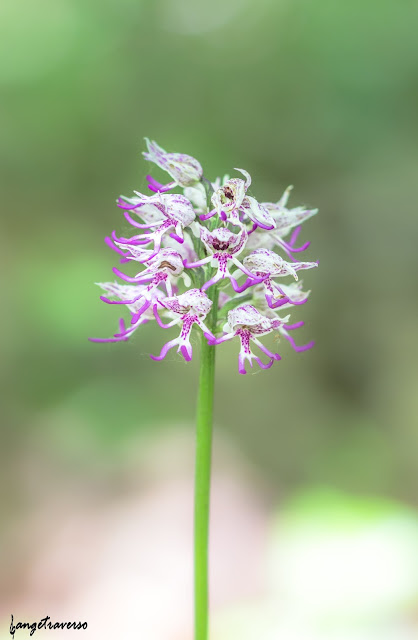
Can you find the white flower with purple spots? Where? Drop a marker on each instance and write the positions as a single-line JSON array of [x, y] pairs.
[[191, 307], [190, 249], [266, 265], [232, 204], [172, 212], [247, 323], [223, 247], [185, 170]]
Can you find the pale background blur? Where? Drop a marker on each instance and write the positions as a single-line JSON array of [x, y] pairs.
[[315, 525]]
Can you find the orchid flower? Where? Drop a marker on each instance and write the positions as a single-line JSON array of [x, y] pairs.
[[176, 213], [161, 270], [266, 265], [191, 307], [223, 246], [232, 204], [185, 170], [246, 323]]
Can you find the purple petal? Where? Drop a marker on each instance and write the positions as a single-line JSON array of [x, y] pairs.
[[166, 348], [187, 353], [206, 216], [240, 288], [138, 225], [176, 237], [297, 325], [137, 279], [277, 303], [261, 363], [138, 314], [110, 244], [158, 319], [304, 347]]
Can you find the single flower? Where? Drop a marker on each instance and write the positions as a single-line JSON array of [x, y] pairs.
[[176, 213], [185, 170], [223, 246], [266, 265], [163, 269], [191, 307], [247, 323]]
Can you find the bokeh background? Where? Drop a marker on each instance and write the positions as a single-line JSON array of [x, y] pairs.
[[315, 497]]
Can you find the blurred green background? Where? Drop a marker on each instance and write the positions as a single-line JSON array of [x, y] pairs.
[[317, 94]]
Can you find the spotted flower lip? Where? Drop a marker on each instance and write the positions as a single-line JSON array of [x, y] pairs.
[[185, 170], [267, 265], [246, 323], [231, 203], [223, 246], [229, 197], [267, 262], [192, 307], [192, 248]]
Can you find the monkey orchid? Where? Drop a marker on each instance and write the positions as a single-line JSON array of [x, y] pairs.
[[223, 246], [266, 265], [185, 249], [185, 170], [247, 323], [177, 213], [191, 308]]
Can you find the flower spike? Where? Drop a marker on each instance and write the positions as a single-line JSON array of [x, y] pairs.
[[212, 241]]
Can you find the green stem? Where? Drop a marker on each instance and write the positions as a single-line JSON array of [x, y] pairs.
[[202, 476]]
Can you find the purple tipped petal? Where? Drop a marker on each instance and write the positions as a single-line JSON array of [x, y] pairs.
[[241, 365], [304, 347], [267, 227], [260, 345], [158, 319], [295, 234], [155, 186], [104, 299], [102, 340], [302, 248], [138, 225], [240, 288], [137, 279], [176, 237], [214, 280], [277, 303], [297, 325], [166, 348], [138, 314], [261, 363], [128, 207], [206, 216], [110, 244], [135, 240], [199, 263], [186, 352]]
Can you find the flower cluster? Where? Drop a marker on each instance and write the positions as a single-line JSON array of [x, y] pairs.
[[207, 258]]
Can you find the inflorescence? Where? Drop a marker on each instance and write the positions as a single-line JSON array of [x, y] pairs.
[[187, 246]]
